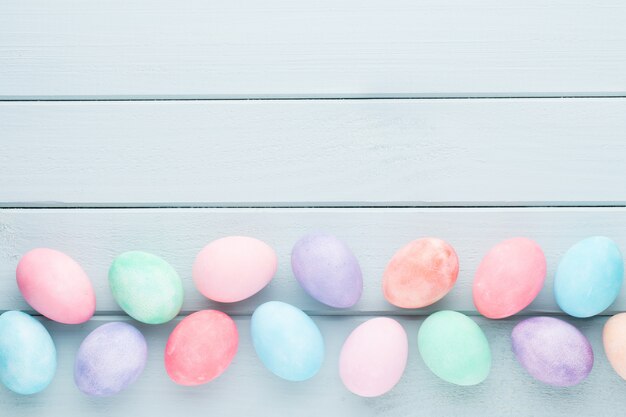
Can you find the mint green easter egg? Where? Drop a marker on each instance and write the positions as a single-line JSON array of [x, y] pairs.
[[146, 287], [454, 348]]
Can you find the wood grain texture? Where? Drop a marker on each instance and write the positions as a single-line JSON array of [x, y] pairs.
[[322, 48], [248, 389], [314, 152], [94, 237]]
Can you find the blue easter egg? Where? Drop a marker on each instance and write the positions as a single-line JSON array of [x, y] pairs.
[[28, 358], [589, 277], [287, 341]]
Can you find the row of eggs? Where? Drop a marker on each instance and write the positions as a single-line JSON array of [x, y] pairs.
[[289, 343], [234, 268], [588, 278]]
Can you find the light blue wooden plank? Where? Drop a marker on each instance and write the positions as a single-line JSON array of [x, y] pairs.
[[281, 48], [314, 152]]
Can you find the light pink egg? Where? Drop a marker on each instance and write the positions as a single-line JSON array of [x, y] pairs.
[[234, 268], [56, 286], [373, 357], [509, 278]]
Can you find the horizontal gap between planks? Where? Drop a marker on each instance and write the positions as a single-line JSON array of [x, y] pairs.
[[311, 97], [386, 205], [339, 313]]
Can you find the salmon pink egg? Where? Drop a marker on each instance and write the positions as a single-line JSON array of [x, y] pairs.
[[201, 347], [421, 273]]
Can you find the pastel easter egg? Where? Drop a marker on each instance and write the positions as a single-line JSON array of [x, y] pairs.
[[110, 359], [373, 357], [28, 358], [454, 348], [56, 286], [234, 268], [327, 270], [552, 351], [201, 347], [287, 341], [146, 287], [509, 278], [614, 340], [421, 273], [589, 277]]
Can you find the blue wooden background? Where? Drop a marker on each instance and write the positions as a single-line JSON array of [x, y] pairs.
[[161, 125]]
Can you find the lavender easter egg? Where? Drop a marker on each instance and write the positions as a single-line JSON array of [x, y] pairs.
[[201, 347], [373, 357], [420, 273], [552, 351], [589, 277], [509, 278], [234, 268], [28, 358], [327, 270], [110, 359], [56, 286], [287, 341]]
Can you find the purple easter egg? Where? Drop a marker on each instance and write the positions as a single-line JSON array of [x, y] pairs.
[[328, 270], [110, 359], [552, 351]]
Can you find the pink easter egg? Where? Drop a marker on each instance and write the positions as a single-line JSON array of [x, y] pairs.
[[509, 278], [56, 286], [373, 357], [201, 347], [234, 268]]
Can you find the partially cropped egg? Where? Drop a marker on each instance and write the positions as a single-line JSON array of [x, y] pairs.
[[28, 358]]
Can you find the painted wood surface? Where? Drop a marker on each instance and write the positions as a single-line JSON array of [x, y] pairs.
[[96, 178], [94, 237], [314, 152], [248, 389], [322, 48]]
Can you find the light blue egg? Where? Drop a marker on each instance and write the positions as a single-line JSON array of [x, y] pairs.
[[287, 341], [28, 358], [589, 277]]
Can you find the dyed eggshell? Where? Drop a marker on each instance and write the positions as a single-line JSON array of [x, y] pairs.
[[454, 348], [327, 270], [614, 340], [509, 278], [56, 286], [589, 277], [110, 359], [201, 347], [552, 351], [146, 287], [421, 273], [234, 268], [287, 341], [28, 358], [373, 357]]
